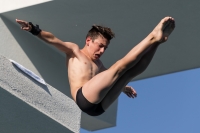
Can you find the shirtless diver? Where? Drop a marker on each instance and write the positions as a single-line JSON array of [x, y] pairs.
[[93, 87]]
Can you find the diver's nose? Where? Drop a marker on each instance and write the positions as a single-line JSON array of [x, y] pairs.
[[102, 50]]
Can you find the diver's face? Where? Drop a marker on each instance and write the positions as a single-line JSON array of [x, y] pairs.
[[96, 47]]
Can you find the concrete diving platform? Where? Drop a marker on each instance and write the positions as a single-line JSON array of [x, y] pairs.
[[27, 106]]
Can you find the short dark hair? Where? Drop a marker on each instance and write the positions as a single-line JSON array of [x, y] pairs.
[[97, 30]]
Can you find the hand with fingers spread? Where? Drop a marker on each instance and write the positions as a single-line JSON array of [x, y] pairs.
[[24, 25], [130, 92]]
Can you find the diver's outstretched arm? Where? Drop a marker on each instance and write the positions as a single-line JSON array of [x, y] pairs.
[[66, 47]]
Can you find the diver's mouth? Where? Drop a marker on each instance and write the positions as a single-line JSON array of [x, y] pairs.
[[97, 56]]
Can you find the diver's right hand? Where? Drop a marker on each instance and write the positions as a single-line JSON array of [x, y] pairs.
[[24, 25]]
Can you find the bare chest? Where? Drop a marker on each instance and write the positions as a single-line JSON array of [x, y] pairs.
[[83, 69]]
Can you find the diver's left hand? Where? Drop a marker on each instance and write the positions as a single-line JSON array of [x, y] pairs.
[[130, 92]]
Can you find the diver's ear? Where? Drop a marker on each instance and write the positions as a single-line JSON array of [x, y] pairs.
[[87, 41]]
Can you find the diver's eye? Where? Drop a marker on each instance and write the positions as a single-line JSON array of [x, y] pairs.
[[101, 46]]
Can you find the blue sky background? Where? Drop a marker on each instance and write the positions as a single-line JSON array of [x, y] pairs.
[[165, 104]]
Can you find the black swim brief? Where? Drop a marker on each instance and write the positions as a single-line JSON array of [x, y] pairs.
[[86, 106]]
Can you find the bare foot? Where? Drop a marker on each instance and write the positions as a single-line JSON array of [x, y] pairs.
[[162, 31]]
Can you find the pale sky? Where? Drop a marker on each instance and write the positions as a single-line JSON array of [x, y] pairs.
[[165, 104]]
